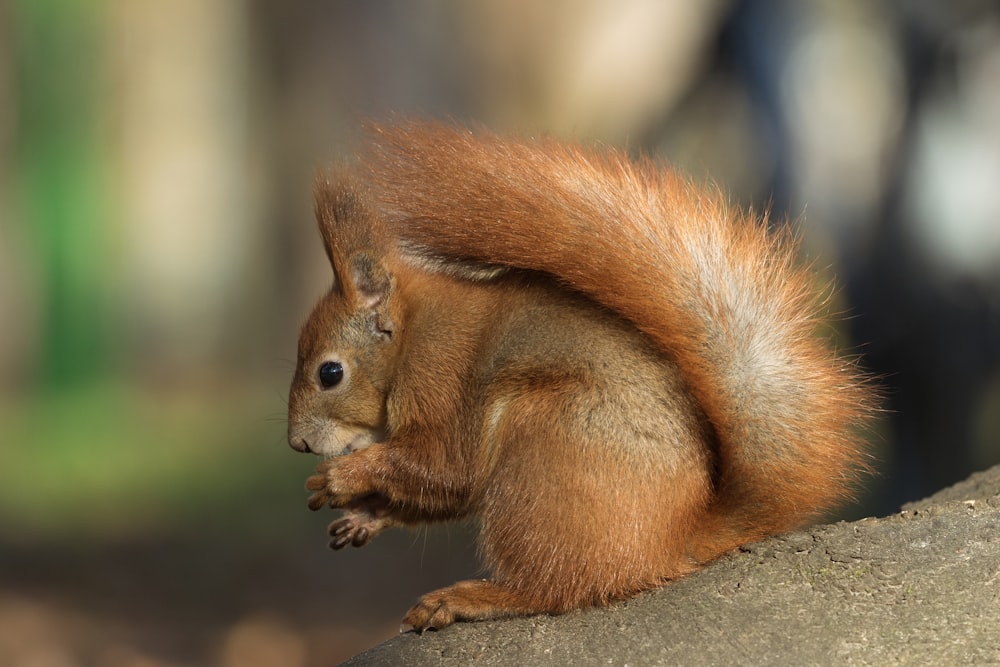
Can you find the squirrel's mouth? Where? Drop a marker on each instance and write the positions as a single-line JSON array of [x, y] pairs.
[[361, 440], [331, 440]]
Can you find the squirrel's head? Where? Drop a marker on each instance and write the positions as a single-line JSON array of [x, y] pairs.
[[347, 347]]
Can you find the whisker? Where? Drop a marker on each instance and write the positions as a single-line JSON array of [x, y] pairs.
[[281, 396]]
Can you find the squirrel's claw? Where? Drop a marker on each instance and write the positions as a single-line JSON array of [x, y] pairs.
[[429, 614]]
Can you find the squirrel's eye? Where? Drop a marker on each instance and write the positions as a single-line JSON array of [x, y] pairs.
[[331, 373]]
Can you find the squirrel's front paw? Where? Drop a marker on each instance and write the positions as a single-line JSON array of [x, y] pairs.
[[330, 486], [363, 520], [356, 528]]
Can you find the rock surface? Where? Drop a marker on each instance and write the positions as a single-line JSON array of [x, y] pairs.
[[919, 587]]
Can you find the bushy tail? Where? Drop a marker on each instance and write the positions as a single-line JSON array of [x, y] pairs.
[[707, 283]]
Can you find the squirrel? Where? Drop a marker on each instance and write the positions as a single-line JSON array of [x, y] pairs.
[[619, 374]]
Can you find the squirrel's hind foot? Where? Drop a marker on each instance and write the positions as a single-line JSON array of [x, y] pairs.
[[473, 600]]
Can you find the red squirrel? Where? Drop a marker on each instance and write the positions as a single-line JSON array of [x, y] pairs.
[[618, 373]]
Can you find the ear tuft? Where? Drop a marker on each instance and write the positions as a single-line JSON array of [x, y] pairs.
[[344, 215]]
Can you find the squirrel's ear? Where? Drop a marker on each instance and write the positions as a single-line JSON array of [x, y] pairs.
[[370, 281], [372, 285], [352, 238]]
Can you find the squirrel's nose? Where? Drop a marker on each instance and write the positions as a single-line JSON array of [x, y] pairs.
[[299, 444]]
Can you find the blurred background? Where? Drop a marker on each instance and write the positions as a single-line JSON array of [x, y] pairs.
[[157, 255]]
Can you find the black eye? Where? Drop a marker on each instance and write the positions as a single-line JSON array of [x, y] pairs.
[[331, 373]]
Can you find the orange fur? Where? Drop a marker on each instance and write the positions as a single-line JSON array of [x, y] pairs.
[[617, 371]]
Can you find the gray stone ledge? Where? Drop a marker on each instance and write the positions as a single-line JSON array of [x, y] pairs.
[[920, 587]]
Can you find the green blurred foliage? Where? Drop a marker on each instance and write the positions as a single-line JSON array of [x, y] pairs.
[[62, 167], [114, 463]]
